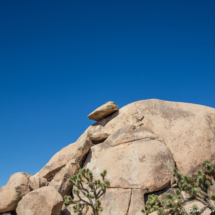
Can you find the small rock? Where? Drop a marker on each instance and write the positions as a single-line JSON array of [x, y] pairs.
[[98, 138], [13, 191], [37, 182], [103, 111]]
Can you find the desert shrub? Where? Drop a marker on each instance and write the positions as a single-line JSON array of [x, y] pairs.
[[197, 188], [87, 193]]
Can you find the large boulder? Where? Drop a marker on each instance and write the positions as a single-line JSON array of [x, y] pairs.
[[133, 158], [103, 111], [60, 180], [43, 201], [13, 191], [75, 151], [188, 130]]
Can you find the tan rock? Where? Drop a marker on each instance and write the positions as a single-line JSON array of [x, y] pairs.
[[185, 195], [211, 190], [116, 201], [132, 162], [137, 202], [189, 207], [103, 111], [43, 201], [129, 133], [75, 151], [60, 180], [13, 191], [154, 213], [162, 196], [188, 130], [37, 182]]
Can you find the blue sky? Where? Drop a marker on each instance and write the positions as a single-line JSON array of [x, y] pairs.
[[59, 60]]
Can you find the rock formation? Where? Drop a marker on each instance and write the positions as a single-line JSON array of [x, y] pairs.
[[43, 201], [138, 145]]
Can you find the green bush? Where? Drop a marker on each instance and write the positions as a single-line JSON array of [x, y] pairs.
[[197, 188], [87, 187]]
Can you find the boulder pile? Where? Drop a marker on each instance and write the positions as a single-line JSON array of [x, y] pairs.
[[138, 145]]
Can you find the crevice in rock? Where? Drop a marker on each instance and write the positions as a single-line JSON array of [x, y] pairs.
[[128, 188], [52, 173], [145, 139], [129, 203], [9, 213], [84, 159], [158, 193], [96, 142]]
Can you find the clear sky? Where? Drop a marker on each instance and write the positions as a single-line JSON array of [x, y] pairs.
[[59, 60]]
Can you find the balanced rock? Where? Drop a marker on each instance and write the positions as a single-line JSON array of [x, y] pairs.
[[36, 182], [43, 201], [60, 180], [13, 191], [103, 111]]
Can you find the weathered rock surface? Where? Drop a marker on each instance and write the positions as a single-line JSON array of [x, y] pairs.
[[137, 159], [75, 151], [36, 182], [116, 201], [137, 202], [188, 130], [103, 111], [43, 201], [13, 191], [60, 180]]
